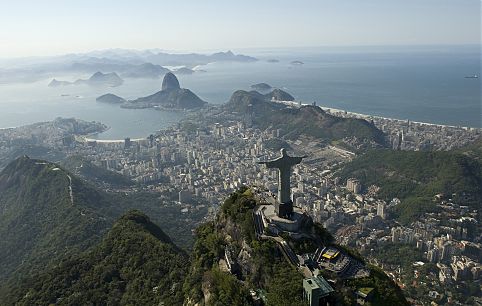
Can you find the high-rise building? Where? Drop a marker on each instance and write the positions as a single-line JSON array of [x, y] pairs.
[[316, 290], [127, 143], [396, 234], [446, 252], [432, 255], [353, 185], [381, 210]]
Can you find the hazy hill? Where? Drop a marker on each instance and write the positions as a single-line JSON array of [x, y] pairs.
[[307, 120], [97, 79], [134, 63], [110, 98], [103, 79], [261, 86], [121, 60], [146, 70], [56, 83], [135, 264]]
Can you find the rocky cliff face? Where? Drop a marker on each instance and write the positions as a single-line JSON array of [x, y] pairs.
[[280, 95], [170, 82]]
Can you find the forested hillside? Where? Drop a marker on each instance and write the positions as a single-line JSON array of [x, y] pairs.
[[416, 177], [135, 264]]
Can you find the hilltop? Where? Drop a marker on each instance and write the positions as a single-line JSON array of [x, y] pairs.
[[235, 264], [110, 98], [136, 263], [305, 120], [261, 86]]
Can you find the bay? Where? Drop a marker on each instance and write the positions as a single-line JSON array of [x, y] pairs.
[[424, 84]]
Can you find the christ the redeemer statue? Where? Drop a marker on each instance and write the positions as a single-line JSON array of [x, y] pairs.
[[284, 165]]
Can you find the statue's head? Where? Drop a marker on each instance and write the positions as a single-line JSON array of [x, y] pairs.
[[283, 152]]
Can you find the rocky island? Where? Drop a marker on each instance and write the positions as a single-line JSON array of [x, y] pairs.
[[171, 96], [111, 98], [184, 70], [56, 83], [261, 86], [97, 79]]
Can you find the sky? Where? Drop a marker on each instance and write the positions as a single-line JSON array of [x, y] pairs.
[[49, 27]]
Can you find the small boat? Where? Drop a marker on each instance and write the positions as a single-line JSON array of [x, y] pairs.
[[475, 76]]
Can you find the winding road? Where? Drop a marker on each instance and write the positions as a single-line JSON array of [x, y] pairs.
[[70, 190]]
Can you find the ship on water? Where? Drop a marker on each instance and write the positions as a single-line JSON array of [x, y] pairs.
[[475, 76]]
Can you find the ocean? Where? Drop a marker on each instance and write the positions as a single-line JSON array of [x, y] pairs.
[[424, 84]]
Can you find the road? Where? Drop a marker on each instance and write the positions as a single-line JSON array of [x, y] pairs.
[[70, 190]]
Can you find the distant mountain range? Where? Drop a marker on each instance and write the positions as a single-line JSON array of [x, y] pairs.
[[97, 79], [146, 70], [126, 63]]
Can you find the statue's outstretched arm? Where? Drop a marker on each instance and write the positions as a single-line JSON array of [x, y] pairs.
[[270, 164], [297, 160]]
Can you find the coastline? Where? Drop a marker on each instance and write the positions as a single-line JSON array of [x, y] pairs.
[[331, 110], [336, 111], [111, 140]]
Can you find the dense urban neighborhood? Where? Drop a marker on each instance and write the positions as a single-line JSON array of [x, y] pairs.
[[196, 163]]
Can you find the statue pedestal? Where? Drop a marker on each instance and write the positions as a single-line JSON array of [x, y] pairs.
[[284, 210], [292, 224]]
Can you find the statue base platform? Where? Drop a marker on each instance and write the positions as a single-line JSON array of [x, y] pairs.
[[278, 224], [284, 210]]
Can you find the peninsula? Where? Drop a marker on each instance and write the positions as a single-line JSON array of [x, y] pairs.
[[171, 96]]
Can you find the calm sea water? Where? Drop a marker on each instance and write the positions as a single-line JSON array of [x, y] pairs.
[[421, 84]]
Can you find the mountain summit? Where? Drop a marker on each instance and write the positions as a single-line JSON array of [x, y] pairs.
[[170, 81]]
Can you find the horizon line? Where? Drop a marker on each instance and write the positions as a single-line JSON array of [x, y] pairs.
[[214, 50]]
